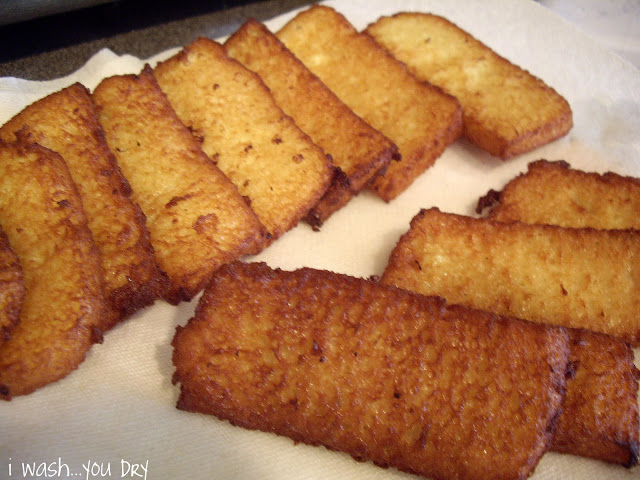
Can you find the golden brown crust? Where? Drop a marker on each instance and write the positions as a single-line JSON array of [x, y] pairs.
[[196, 217], [66, 123], [374, 371], [556, 194], [11, 288], [339, 193], [269, 159], [64, 299], [580, 278], [600, 411], [360, 151], [507, 111], [418, 117]]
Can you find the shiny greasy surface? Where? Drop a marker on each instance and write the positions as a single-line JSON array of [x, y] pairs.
[[64, 297], [600, 412], [420, 119], [556, 194], [507, 111], [262, 151], [581, 278], [599, 416], [196, 217], [377, 372], [65, 122], [357, 149], [11, 288]]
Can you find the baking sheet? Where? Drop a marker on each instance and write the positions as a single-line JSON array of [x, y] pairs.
[[118, 409]]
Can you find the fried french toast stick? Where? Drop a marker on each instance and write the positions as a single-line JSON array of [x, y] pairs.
[[66, 123], [230, 109], [418, 117], [600, 412], [11, 288], [380, 373], [556, 194], [579, 278], [506, 110], [41, 213], [196, 218], [360, 151]]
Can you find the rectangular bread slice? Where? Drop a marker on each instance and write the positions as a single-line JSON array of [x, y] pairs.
[[507, 111], [580, 278], [196, 217], [418, 117], [66, 123], [600, 413], [231, 111], [377, 372], [357, 149], [554, 193], [64, 302]]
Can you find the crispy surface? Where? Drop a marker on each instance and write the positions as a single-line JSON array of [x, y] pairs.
[[65, 122], [507, 111], [360, 151], [262, 151], [41, 213], [600, 412], [581, 278], [196, 217], [419, 118], [377, 372], [599, 416], [555, 193], [11, 288]]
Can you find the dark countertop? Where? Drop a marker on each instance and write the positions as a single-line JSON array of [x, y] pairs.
[[55, 46]]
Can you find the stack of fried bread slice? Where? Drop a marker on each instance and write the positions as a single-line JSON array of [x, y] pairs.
[[196, 218], [66, 123], [581, 278], [62, 313], [357, 149], [380, 373], [507, 111], [11, 288], [418, 117], [262, 151], [601, 419]]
